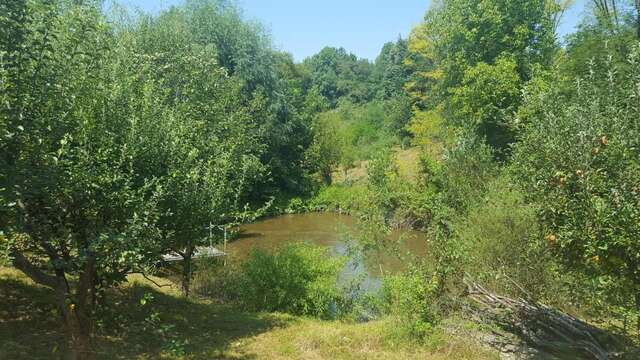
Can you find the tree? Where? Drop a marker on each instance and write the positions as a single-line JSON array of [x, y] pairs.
[[617, 16], [79, 212], [487, 99], [244, 50], [446, 50], [398, 114], [607, 12], [579, 160], [212, 157], [390, 71], [212, 165], [214, 160], [327, 149], [599, 35], [337, 74]]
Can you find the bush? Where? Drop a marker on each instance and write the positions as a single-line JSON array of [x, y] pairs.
[[347, 199], [499, 232], [297, 278], [295, 206], [409, 298], [429, 132], [395, 200], [465, 172]]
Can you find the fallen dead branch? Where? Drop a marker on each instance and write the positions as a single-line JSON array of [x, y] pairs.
[[552, 334]]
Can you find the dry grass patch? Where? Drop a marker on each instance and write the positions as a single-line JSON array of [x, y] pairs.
[[408, 162], [312, 339]]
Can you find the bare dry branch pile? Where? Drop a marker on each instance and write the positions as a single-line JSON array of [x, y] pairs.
[[551, 333]]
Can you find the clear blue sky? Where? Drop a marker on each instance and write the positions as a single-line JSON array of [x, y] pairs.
[[302, 28]]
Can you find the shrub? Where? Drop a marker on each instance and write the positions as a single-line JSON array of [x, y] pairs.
[[464, 173], [500, 232], [409, 298], [296, 278], [349, 199], [295, 206]]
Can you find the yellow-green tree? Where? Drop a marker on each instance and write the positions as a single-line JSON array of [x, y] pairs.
[[462, 44]]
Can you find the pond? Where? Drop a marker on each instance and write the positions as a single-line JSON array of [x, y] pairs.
[[336, 232]]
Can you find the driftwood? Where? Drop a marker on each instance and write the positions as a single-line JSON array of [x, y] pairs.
[[550, 333]]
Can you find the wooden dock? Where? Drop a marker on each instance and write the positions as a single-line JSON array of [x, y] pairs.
[[200, 252]]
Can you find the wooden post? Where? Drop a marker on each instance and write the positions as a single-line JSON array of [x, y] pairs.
[[224, 248], [210, 235]]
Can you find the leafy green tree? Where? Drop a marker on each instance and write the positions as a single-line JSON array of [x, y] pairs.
[[206, 181], [487, 99], [579, 161], [326, 151], [617, 15], [337, 74], [212, 158], [599, 35], [268, 79], [398, 114], [389, 70], [214, 161], [242, 47], [457, 36], [79, 212]]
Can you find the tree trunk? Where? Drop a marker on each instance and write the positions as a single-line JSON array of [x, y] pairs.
[[77, 315], [186, 270], [78, 329], [638, 17]]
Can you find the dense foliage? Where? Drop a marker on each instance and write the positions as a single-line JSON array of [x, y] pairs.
[[296, 278], [122, 141], [125, 137], [473, 57], [564, 206], [580, 161]]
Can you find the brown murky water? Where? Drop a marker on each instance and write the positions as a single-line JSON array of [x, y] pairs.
[[336, 232]]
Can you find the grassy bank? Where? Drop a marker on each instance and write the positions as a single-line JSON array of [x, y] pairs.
[[147, 322]]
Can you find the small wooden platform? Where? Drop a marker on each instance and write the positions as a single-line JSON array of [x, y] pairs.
[[200, 252]]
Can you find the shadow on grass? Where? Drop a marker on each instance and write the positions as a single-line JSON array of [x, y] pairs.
[[28, 321], [140, 322]]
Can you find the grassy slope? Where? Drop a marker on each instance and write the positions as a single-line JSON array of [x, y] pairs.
[[407, 161], [204, 330]]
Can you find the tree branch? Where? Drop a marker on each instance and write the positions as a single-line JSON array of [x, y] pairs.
[[37, 275]]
